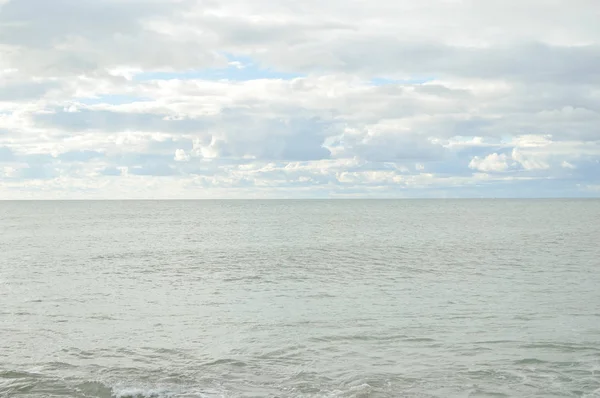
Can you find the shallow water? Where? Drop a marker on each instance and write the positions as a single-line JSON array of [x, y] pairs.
[[433, 298]]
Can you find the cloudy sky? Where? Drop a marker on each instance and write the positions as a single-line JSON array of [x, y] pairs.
[[287, 98]]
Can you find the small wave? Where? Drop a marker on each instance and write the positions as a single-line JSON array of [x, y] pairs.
[[529, 361], [365, 337], [12, 374], [321, 295], [246, 278], [141, 393], [355, 337], [232, 362], [165, 351], [564, 347], [485, 393], [58, 365], [94, 389], [103, 317], [76, 352], [23, 313], [495, 342], [123, 255], [420, 340], [524, 317]]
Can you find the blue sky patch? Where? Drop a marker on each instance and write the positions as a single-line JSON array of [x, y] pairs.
[[382, 81], [114, 99], [240, 69]]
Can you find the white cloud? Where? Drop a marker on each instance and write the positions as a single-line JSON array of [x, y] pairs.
[[529, 162], [491, 163], [181, 156], [288, 98]]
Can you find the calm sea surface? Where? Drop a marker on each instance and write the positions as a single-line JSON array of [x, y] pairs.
[[409, 298]]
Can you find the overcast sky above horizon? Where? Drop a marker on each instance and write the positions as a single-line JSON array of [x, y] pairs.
[[265, 98]]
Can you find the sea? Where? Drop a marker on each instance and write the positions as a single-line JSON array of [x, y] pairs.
[[300, 298]]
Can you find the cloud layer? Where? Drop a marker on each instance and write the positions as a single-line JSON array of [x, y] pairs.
[[200, 99]]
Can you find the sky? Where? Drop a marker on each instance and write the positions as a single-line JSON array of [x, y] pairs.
[[186, 99]]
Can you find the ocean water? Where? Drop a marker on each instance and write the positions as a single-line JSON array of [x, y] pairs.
[[407, 298]]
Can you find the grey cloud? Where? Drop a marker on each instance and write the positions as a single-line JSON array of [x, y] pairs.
[[588, 170], [110, 171], [440, 91], [37, 172], [194, 169], [80, 156], [25, 91], [391, 147], [143, 164], [111, 121], [40, 23], [532, 97], [170, 145], [274, 139], [376, 166], [144, 157], [154, 169], [293, 178], [242, 133], [77, 36], [449, 125], [61, 37], [40, 159], [44, 159], [241, 32], [357, 54], [6, 154]]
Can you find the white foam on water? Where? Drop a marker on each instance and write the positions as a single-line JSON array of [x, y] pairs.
[[352, 392], [135, 392]]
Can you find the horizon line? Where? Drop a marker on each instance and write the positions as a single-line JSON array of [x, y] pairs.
[[288, 199]]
